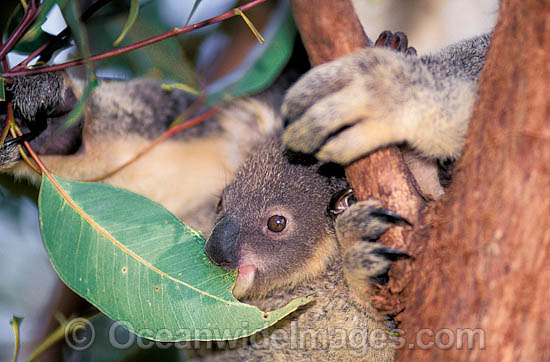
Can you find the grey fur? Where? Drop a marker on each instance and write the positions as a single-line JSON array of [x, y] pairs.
[[302, 259], [345, 109], [464, 59], [35, 91], [115, 109], [140, 107]]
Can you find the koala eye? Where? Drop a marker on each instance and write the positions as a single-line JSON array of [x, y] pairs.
[[219, 206], [341, 201], [276, 223]]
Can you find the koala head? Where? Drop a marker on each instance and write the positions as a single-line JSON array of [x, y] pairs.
[[273, 222]]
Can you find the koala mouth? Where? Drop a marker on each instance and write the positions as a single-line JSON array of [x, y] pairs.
[[245, 279]]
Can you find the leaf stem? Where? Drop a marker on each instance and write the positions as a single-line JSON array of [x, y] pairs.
[[250, 26], [15, 323]]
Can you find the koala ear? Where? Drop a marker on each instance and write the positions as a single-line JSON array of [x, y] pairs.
[[341, 201]]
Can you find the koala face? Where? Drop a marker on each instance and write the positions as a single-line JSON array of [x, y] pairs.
[[273, 223]]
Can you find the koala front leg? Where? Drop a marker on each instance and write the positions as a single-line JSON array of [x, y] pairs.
[[367, 261], [375, 97]]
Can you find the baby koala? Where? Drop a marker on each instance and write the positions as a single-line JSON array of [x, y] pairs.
[[274, 222], [278, 223]]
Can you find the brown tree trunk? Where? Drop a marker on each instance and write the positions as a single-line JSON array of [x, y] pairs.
[[485, 266], [330, 29], [482, 271]]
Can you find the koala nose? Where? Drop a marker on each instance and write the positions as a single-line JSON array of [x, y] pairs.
[[221, 247]]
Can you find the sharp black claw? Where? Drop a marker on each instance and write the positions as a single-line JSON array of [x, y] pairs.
[[390, 216], [399, 42], [19, 140], [391, 254], [383, 38]]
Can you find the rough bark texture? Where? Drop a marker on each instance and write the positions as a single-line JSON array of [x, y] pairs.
[[483, 266], [485, 263], [330, 29]]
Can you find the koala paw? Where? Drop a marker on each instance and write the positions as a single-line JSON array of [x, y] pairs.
[[36, 93], [36, 99], [342, 110], [364, 220], [360, 225]]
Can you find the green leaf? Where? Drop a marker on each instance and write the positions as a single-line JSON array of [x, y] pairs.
[[267, 67], [2, 90], [32, 40], [78, 111], [166, 59], [184, 87], [71, 14], [132, 16], [138, 264], [72, 17]]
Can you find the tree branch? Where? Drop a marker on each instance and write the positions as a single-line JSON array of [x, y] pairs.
[[331, 29]]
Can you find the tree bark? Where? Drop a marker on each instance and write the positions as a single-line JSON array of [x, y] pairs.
[[330, 29], [481, 253], [484, 266]]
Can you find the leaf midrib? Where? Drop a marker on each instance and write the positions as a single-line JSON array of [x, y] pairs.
[[72, 203]]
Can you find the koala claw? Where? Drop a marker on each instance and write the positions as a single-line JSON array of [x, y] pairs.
[[343, 199], [391, 217], [9, 153], [321, 121], [360, 225], [370, 262], [397, 41], [366, 220]]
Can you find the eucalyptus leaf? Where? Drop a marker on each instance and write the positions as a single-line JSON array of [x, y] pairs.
[[78, 111], [138, 264], [258, 71], [71, 14], [132, 16], [184, 87]]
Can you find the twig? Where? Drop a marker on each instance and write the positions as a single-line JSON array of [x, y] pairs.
[[141, 44]]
